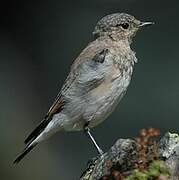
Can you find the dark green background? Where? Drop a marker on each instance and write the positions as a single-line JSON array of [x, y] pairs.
[[38, 42]]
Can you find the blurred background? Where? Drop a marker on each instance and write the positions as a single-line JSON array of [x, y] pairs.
[[38, 42]]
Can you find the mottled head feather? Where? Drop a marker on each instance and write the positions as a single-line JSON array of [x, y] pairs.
[[112, 23]]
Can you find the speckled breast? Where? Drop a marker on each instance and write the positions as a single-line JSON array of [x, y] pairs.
[[106, 96]]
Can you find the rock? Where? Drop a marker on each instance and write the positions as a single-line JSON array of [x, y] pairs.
[[168, 150], [120, 161], [122, 154]]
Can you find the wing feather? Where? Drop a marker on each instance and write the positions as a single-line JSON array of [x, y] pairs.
[[95, 52]]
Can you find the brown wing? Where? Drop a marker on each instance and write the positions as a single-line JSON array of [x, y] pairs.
[[57, 106], [88, 53]]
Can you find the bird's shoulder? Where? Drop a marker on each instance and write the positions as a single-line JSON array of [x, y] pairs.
[[93, 49]]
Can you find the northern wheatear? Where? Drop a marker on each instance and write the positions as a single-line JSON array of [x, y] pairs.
[[97, 81]]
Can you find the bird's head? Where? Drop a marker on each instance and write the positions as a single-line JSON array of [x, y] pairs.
[[119, 26]]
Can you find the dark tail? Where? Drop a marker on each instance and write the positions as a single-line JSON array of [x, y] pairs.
[[24, 153], [32, 136], [30, 140]]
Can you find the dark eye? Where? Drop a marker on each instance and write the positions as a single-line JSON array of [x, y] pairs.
[[125, 25]]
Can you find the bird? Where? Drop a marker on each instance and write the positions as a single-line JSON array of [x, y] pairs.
[[98, 79]]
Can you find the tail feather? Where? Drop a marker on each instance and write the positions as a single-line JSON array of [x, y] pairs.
[[24, 153], [32, 136]]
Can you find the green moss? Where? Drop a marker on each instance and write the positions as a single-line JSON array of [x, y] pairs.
[[155, 169], [137, 175]]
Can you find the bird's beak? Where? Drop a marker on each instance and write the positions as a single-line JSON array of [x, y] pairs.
[[145, 24]]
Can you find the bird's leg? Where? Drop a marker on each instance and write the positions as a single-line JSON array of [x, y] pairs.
[[88, 133]]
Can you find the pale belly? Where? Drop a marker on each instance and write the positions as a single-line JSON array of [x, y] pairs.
[[104, 105], [97, 105], [101, 103]]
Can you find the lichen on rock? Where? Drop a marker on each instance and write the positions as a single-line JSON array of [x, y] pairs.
[[146, 157]]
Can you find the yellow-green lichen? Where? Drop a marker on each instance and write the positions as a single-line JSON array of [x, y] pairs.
[[156, 168], [173, 135]]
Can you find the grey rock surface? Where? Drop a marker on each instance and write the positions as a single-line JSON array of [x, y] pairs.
[[123, 156], [168, 150]]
